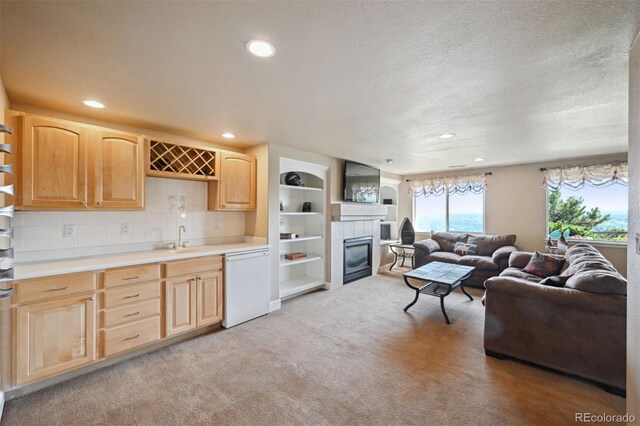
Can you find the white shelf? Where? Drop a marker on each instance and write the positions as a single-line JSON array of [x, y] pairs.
[[309, 258], [300, 213], [300, 188], [298, 285], [301, 238]]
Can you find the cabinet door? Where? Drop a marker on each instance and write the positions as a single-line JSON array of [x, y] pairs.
[[237, 185], [209, 299], [53, 164], [119, 170], [53, 337], [181, 305]]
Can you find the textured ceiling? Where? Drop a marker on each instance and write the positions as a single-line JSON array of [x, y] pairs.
[[516, 81]]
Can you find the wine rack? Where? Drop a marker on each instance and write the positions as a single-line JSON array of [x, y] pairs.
[[182, 162]]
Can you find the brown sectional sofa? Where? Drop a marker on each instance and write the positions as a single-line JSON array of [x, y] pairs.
[[578, 329], [491, 258]]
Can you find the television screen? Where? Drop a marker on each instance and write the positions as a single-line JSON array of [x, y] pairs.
[[361, 183]]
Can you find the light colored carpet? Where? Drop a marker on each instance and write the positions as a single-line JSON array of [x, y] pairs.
[[348, 356]]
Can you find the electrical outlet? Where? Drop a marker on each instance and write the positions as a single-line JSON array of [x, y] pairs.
[[69, 231], [216, 225], [124, 229]]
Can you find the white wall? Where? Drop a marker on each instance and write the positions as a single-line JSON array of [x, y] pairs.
[[516, 203], [633, 291], [39, 235]]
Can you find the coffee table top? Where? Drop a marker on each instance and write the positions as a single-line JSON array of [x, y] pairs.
[[440, 272]]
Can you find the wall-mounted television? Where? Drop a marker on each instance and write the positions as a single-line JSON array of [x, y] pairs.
[[361, 183]]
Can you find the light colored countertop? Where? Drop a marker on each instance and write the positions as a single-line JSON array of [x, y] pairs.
[[24, 271]]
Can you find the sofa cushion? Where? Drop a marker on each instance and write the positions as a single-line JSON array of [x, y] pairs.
[[554, 281], [487, 244], [598, 281], [464, 248], [544, 265], [428, 246], [444, 256], [446, 240], [480, 262], [519, 273]]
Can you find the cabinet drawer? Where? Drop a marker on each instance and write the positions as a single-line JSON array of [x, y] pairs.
[[137, 274], [131, 294], [129, 313], [193, 266], [132, 335], [51, 287]]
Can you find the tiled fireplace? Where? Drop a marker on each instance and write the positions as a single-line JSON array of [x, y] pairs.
[[352, 222], [357, 259]]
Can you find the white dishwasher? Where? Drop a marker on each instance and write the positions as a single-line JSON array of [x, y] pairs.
[[246, 286]]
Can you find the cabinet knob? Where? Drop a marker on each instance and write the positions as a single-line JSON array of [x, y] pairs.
[[91, 299], [83, 203], [99, 203]]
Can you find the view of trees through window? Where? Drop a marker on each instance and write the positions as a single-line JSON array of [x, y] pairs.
[[465, 213], [591, 213]]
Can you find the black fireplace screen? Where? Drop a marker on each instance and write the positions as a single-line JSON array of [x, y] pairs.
[[357, 258]]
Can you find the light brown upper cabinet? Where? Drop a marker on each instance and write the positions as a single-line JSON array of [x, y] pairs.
[[52, 170], [119, 170], [236, 189], [62, 165]]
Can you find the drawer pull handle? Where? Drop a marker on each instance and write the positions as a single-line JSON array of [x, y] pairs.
[[132, 296], [132, 337], [58, 289], [133, 314], [131, 278]]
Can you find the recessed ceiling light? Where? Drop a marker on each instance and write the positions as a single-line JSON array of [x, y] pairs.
[[478, 159], [389, 160], [446, 135], [93, 104], [228, 135], [457, 166], [261, 48]]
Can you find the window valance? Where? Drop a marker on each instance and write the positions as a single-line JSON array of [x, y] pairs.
[[576, 177], [475, 184]]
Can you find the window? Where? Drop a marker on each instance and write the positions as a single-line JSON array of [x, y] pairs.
[[450, 212], [590, 213]]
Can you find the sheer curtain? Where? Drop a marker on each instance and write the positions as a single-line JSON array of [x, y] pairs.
[[475, 184], [576, 177]]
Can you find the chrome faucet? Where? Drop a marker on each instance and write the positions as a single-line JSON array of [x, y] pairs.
[[180, 244]]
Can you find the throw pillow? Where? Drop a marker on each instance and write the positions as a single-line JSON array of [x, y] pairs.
[[464, 248], [554, 281], [544, 265]]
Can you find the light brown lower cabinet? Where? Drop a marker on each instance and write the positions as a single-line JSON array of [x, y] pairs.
[[64, 322], [54, 336], [209, 298], [181, 305]]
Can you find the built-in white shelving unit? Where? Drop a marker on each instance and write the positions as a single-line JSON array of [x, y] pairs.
[[391, 218], [304, 274]]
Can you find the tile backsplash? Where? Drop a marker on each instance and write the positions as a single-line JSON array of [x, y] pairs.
[[169, 204]]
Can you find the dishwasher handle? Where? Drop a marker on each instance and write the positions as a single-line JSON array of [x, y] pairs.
[[241, 256]]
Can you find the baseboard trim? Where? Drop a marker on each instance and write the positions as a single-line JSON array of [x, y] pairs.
[[275, 305]]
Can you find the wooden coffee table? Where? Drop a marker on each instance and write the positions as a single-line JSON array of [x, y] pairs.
[[440, 278]]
